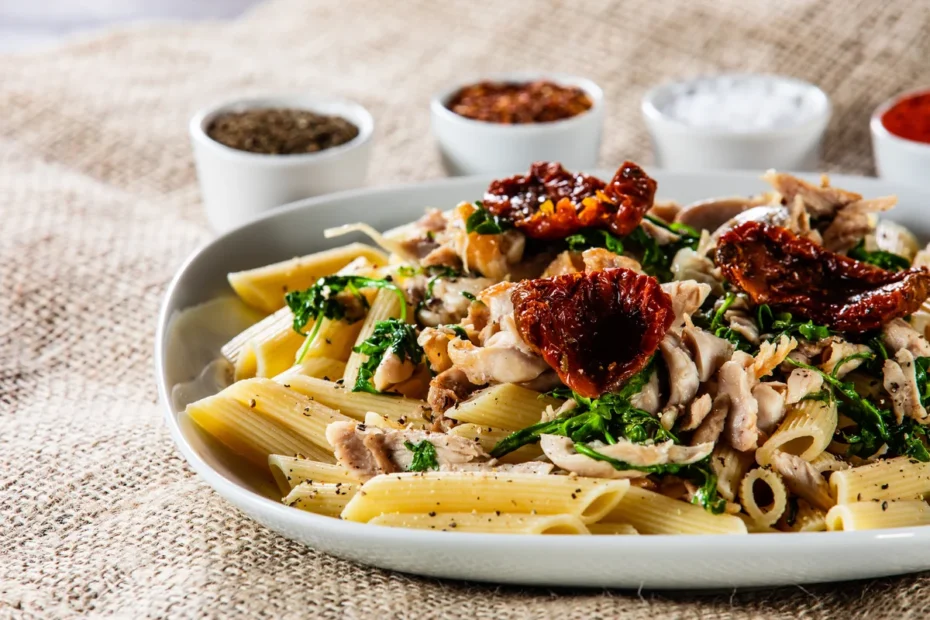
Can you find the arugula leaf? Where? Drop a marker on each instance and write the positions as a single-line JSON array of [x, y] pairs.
[[484, 222], [604, 418], [594, 238], [458, 330], [785, 324], [424, 456], [321, 301], [394, 335], [469, 296], [679, 228], [879, 258], [717, 321]]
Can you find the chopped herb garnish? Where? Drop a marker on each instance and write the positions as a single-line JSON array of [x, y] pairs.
[[394, 335], [879, 258], [321, 301], [783, 323], [424, 456], [594, 238], [469, 296], [484, 222], [459, 331]]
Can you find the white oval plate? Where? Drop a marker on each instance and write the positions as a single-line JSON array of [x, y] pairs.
[[603, 561]]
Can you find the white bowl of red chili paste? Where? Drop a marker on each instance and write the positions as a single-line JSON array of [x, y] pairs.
[[901, 138], [504, 123]]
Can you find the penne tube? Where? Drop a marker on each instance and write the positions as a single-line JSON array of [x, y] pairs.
[[806, 519], [897, 478], [289, 409], [324, 368], [730, 466], [335, 340], [589, 499], [289, 471], [505, 406], [487, 437], [754, 527], [357, 404], [874, 515], [763, 496], [653, 513], [484, 522], [806, 431], [385, 305], [264, 346], [321, 498], [245, 431], [376, 420], [612, 529], [264, 288]]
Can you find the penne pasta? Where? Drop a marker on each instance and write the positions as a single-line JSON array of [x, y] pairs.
[[289, 471], [385, 305], [321, 498], [357, 404], [806, 431], [487, 437], [317, 367], [264, 288], [653, 513], [730, 466], [245, 431], [897, 478], [589, 499], [615, 529], [873, 515], [806, 519], [484, 522], [763, 496], [505, 406], [289, 409]]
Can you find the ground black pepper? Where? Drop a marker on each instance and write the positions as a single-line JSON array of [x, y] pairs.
[[280, 131]]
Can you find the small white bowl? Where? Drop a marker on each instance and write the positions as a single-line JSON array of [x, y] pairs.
[[899, 159], [479, 147], [680, 146], [237, 186]]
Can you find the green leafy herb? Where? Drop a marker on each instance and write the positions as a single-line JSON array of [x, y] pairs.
[[594, 238], [484, 222], [783, 323], [469, 296], [717, 321], [458, 330], [394, 335], [879, 258], [679, 228], [321, 301], [604, 418], [438, 272], [424, 456]]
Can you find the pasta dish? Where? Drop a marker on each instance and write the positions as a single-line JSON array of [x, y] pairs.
[[567, 355]]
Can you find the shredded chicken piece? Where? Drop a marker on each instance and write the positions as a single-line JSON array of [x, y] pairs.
[[770, 356], [803, 479], [500, 360], [435, 344], [687, 297], [662, 236], [709, 351], [682, 373], [648, 399], [742, 324], [665, 210], [391, 371], [839, 349], [694, 265], [823, 201], [802, 382], [419, 239], [566, 262], [699, 409], [490, 255], [449, 388], [529, 467], [367, 451], [900, 380], [561, 451], [770, 396], [855, 221], [599, 259], [898, 334], [713, 424], [448, 303], [736, 382]]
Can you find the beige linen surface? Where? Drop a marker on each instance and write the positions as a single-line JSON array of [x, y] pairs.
[[98, 206]]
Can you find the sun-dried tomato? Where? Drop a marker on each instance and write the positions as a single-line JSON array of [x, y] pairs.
[[552, 203], [774, 266], [596, 329]]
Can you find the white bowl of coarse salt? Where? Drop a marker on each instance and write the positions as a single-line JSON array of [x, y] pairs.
[[748, 121]]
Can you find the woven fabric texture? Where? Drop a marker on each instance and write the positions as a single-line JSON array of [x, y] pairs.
[[99, 515]]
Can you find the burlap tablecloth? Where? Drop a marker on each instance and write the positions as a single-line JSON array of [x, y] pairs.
[[99, 205]]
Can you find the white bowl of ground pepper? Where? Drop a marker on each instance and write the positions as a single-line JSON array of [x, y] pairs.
[[256, 154]]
